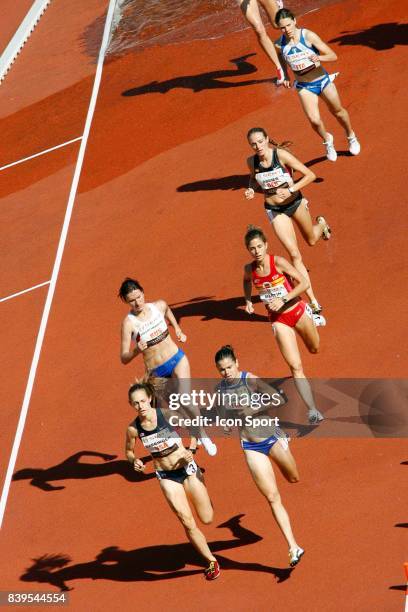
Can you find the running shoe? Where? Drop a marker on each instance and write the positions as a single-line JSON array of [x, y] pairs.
[[315, 307], [354, 145], [295, 556], [213, 570], [331, 152], [281, 76], [279, 4], [326, 229], [319, 320], [314, 416], [209, 446]]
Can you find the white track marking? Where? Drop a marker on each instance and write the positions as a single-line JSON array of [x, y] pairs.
[[21, 36], [13, 295], [20, 161], [57, 264]]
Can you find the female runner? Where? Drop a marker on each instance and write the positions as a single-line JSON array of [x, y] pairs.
[[303, 51], [178, 474], [271, 172], [250, 10], [287, 312], [146, 326], [260, 444]]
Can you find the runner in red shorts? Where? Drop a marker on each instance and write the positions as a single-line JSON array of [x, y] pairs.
[[269, 274]]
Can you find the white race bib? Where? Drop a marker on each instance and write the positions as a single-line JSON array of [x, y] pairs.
[[273, 178]]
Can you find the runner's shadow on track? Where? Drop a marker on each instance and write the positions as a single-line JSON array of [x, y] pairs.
[[234, 182], [403, 525], [398, 587], [140, 564], [323, 158], [203, 81], [73, 469], [379, 37], [208, 308]]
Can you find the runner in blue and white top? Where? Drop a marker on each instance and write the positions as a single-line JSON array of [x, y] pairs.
[[303, 51], [258, 443]]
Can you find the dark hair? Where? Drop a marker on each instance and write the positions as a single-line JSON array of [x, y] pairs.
[[254, 232], [145, 386], [283, 13], [129, 285], [283, 145], [224, 352]]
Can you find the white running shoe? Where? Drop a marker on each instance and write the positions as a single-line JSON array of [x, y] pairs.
[[319, 320], [326, 227], [295, 556], [314, 416], [315, 307], [279, 4], [331, 152], [354, 145], [209, 446]]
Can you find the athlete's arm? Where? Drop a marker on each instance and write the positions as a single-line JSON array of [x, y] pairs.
[[270, 396], [289, 160], [167, 312], [247, 284], [131, 435], [253, 185], [283, 63], [325, 53], [126, 352], [284, 267]]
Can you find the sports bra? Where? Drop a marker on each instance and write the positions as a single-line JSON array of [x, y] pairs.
[[297, 55], [153, 330], [273, 285], [236, 392], [160, 441], [277, 175]]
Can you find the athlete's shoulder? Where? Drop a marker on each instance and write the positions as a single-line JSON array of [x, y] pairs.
[[160, 305]]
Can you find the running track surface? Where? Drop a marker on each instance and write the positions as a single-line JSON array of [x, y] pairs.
[[156, 200]]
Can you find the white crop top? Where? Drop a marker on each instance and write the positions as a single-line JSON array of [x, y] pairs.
[[152, 330]]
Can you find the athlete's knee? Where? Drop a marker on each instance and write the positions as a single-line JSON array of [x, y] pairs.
[[311, 240], [207, 517], [315, 121], [293, 478], [273, 497], [295, 255], [259, 30], [339, 112], [187, 520], [313, 347], [297, 369]]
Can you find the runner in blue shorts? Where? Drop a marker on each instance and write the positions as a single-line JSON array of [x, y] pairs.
[[259, 442], [303, 51]]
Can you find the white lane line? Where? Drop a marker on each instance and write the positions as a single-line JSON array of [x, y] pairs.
[[13, 295], [20, 161], [57, 264]]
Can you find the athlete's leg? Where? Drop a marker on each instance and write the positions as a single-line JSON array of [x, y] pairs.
[[286, 339], [198, 494], [310, 105], [307, 330], [282, 456], [271, 8], [264, 478], [311, 232], [285, 232], [331, 97], [250, 10], [177, 499]]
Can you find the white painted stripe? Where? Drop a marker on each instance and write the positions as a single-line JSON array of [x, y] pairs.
[[13, 295], [57, 264], [24, 159], [21, 36]]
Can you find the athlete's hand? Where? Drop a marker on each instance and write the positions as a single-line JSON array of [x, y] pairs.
[[249, 307], [275, 304], [180, 336], [141, 345], [227, 430], [283, 193], [249, 193], [138, 465], [188, 457], [316, 60], [287, 84]]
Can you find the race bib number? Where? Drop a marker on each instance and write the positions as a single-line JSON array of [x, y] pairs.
[[273, 292], [273, 179], [300, 61], [191, 468]]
